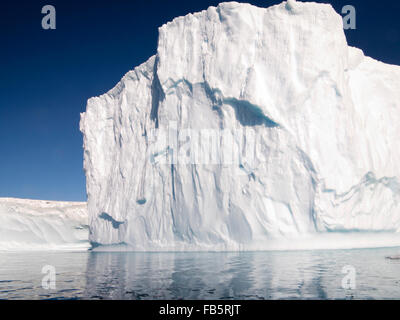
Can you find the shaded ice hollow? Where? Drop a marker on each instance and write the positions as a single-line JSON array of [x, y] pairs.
[[325, 115]]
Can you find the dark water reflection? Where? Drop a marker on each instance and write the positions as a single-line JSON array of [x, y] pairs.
[[250, 275]]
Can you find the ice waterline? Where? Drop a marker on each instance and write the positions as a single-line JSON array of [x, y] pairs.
[[31, 225]]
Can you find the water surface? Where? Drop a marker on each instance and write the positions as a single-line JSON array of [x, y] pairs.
[[249, 275]]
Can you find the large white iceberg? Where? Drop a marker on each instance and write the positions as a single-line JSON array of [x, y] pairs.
[[43, 225], [320, 119]]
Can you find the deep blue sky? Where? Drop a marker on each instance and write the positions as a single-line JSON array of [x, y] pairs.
[[46, 76]]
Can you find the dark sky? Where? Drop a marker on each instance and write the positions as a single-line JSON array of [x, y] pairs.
[[46, 76]]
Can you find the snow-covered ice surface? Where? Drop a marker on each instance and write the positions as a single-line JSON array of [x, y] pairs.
[[324, 119], [43, 225]]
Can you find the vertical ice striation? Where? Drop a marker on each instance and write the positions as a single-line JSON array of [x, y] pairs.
[[322, 119]]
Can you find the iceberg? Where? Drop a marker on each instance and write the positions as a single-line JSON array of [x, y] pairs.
[[249, 125], [43, 225]]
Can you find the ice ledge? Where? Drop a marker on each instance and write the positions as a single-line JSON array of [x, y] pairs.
[[43, 225]]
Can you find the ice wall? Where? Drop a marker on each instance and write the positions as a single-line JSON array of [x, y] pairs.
[[322, 119]]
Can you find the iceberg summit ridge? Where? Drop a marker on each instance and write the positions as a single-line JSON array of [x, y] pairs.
[[249, 126]]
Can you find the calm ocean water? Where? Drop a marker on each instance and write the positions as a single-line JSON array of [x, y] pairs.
[[250, 275]]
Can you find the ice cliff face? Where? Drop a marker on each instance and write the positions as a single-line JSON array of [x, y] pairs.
[[42, 225], [304, 127]]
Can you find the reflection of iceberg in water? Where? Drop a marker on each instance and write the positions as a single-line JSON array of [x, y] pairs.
[[250, 275], [128, 276]]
